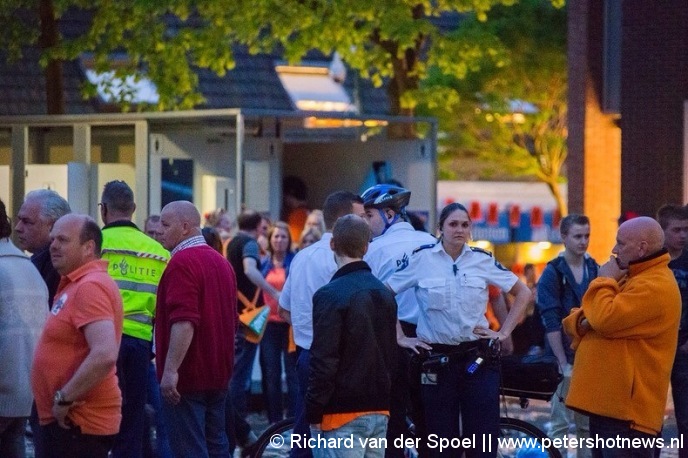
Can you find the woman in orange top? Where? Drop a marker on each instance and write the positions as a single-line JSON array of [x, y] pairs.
[[275, 343]]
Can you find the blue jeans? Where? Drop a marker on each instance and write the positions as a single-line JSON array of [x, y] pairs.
[[301, 425], [679, 389], [239, 386], [368, 429], [197, 425], [162, 444], [611, 428], [274, 346], [452, 398], [132, 373], [12, 431]]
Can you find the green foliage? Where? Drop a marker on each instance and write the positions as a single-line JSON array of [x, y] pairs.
[[388, 39], [484, 135], [130, 38], [395, 40]]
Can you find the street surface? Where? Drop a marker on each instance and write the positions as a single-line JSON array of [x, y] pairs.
[[536, 413]]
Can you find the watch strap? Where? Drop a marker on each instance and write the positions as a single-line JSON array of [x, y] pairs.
[[60, 399]]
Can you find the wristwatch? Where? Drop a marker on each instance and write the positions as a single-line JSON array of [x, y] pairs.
[[60, 399]]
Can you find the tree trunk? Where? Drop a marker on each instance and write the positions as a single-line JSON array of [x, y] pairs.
[[54, 80], [399, 84], [559, 199]]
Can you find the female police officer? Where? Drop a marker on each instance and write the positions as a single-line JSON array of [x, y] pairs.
[[461, 395]]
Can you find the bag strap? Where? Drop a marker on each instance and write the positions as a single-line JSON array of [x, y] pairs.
[[249, 305]]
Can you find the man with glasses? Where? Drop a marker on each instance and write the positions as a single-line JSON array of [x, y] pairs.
[[38, 213]]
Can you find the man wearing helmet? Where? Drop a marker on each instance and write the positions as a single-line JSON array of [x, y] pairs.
[[394, 240]]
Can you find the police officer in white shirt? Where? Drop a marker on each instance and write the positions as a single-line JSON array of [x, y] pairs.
[[394, 240], [460, 396], [312, 268]]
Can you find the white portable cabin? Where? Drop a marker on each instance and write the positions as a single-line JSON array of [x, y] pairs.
[[227, 158]]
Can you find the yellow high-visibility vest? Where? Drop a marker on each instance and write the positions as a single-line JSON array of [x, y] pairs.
[[136, 263]]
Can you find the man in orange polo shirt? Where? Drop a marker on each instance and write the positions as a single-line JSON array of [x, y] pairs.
[[73, 376]]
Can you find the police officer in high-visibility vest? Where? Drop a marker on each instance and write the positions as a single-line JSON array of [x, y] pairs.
[[136, 263]]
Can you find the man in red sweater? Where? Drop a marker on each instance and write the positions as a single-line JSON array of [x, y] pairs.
[[194, 332]]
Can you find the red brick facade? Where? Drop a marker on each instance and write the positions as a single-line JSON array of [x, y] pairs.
[[640, 166]]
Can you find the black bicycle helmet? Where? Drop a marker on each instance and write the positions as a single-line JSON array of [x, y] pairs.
[[386, 196]]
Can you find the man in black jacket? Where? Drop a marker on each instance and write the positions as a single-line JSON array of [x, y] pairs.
[[354, 347]]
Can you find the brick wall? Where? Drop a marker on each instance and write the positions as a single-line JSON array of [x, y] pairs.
[[594, 142], [654, 85], [640, 166]]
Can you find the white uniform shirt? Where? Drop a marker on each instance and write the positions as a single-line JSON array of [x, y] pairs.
[[452, 296], [391, 252], [311, 269]]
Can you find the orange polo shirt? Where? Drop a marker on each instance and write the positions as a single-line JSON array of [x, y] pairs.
[[86, 295]]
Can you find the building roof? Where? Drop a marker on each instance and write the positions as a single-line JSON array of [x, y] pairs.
[[252, 84], [22, 87]]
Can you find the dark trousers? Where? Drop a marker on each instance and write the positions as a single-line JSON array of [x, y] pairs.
[[236, 406], [236, 427], [58, 442], [161, 447], [679, 389], [240, 384], [197, 425], [405, 398], [132, 372], [610, 428], [12, 431], [274, 348], [455, 400], [35, 425], [398, 403], [301, 425]]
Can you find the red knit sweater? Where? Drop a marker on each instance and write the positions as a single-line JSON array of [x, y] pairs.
[[198, 286]]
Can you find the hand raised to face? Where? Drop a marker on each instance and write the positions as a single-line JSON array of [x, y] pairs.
[[611, 269]]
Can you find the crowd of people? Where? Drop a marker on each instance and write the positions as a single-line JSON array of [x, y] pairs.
[[368, 321]]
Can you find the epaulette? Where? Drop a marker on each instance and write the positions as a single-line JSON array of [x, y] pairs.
[[480, 250], [423, 247]]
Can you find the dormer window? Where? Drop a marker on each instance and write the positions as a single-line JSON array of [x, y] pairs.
[[110, 89], [315, 88]]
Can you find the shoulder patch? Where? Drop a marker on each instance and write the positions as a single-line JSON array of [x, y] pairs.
[[480, 250], [402, 263], [423, 247]]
